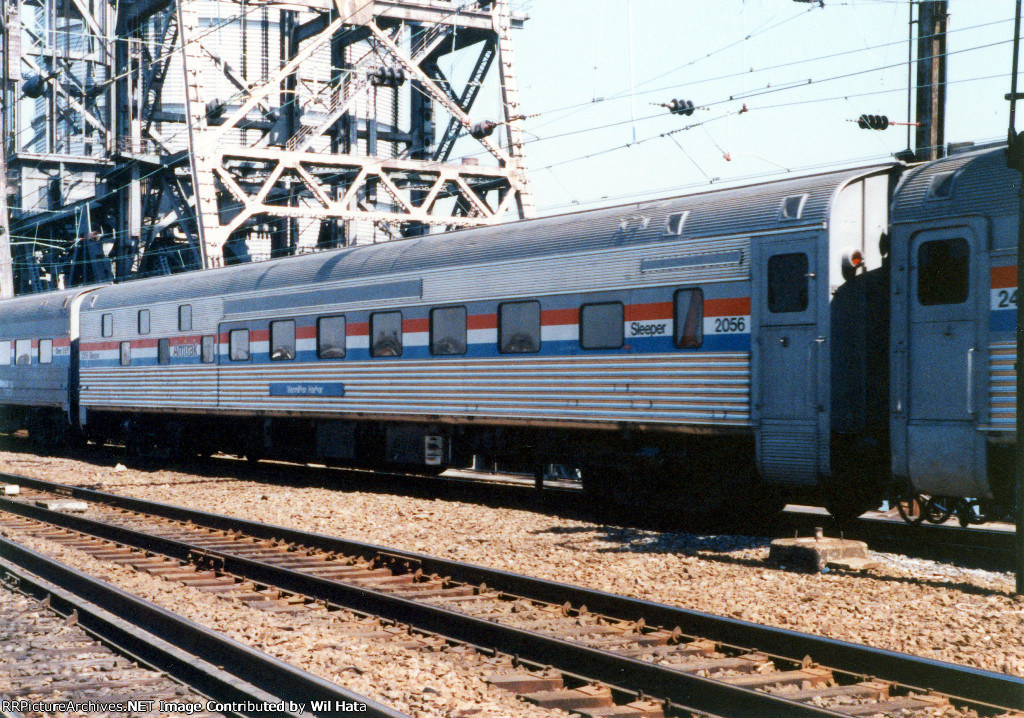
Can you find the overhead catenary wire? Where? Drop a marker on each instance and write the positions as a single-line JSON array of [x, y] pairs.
[[762, 108], [766, 68], [694, 125]]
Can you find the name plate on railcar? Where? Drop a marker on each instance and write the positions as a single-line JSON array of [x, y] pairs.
[[307, 389]]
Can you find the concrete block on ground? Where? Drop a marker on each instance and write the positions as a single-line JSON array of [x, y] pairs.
[[816, 554]]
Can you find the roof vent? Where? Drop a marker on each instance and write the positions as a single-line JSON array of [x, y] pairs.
[[674, 225], [792, 207], [941, 186]]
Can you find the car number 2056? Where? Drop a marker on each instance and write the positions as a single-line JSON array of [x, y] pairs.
[[730, 325]]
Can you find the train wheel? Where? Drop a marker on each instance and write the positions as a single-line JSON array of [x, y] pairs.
[[911, 508], [967, 513], [938, 509]]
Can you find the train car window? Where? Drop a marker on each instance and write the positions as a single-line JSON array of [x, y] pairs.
[[5, 353], [943, 272], [386, 334], [448, 331], [519, 327], [238, 345], [674, 225], [330, 337], [163, 351], [601, 325], [143, 321], [209, 349], [108, 325], [282, 340], [185, 318], [45, 351], [787, 283], [23, 352], [689, 316], [126, 353]]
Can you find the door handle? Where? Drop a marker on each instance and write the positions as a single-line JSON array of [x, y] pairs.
[[970, 380]]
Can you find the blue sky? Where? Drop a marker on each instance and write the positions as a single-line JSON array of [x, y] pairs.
[[762, 53]]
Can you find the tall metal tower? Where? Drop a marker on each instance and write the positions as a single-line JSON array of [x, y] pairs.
[[156, 136]]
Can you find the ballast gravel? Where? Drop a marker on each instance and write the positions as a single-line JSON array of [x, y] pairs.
[[929, 609], [422, 684]]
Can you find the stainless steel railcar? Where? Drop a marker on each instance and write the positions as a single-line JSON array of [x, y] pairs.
[[38, 368], [953, 336], [704, 350], [618, 340]]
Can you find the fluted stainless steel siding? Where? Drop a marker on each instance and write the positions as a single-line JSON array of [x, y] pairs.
[[1002, 386], [695, 388], [160, 387]]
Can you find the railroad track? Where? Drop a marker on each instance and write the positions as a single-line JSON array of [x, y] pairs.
[[49, 658], [76, 645], [559, 646]]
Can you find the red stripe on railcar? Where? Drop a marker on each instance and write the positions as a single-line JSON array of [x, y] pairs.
[[554, 317], [729, 307], [645, 312], [1003, 277]]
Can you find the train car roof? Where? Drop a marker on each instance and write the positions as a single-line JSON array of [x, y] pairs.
[[32, 315], [742, 210], [976, 182]]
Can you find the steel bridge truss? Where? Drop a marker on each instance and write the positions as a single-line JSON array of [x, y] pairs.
[[158, 136]]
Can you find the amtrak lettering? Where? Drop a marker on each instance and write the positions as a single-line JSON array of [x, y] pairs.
[[181, 351]]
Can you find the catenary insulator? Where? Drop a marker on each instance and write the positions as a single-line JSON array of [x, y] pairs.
[[34, 86], [388, 77], [681, 107], [873, 122], [482, 128]]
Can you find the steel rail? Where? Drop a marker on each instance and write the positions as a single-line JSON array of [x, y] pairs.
[[683, 690], [963, 682], [216, 666]]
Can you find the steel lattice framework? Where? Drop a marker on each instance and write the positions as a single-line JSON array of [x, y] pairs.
[[156, 136]]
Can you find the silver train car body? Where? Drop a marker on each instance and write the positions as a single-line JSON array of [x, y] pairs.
[[954, 321], [38, 367], [696, 349]]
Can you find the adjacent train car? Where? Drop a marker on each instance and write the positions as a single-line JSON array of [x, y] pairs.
[[953, 336], [677, 348], [38, 369]]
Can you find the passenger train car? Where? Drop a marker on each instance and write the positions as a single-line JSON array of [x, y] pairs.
[[841, 335]]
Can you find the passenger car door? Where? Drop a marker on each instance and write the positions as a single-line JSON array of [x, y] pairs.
[[788, 386], [944, 391]]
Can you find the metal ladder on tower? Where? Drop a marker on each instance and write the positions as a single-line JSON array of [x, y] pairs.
[[513, 109], [202, 158]]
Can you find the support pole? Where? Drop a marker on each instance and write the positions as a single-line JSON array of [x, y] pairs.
[[6, 260], [931, 79], [1015, 153]]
